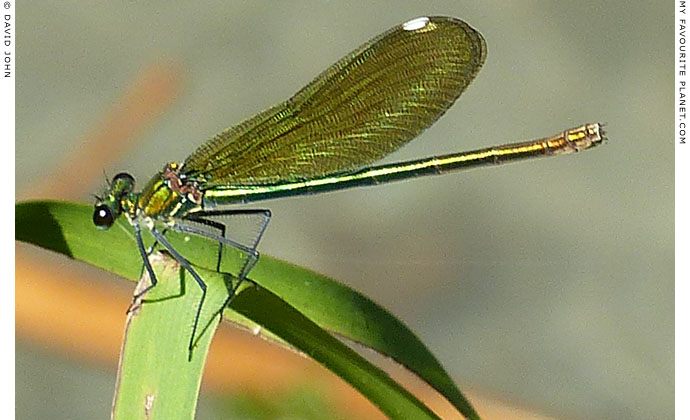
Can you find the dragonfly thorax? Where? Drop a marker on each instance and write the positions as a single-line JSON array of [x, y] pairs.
[[168, 194], [186, 188]]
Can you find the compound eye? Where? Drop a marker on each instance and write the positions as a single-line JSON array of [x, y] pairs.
[[123, 182], [103, 217]]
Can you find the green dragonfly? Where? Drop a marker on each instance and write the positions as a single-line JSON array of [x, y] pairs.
[[324, 138]]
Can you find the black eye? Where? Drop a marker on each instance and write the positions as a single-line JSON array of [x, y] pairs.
[[102, 217]]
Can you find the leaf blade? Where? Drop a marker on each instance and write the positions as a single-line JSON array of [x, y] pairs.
[[67, 228]]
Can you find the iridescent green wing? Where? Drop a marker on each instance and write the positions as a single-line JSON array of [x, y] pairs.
[[360, 109]]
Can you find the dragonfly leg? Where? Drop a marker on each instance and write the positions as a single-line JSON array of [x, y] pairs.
[[251, 253], [202, 285], [147, 263], [250, 249], [155, 242], [252, 256], [220, 227]]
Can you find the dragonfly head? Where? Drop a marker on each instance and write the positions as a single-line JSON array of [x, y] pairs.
[[109, 207]]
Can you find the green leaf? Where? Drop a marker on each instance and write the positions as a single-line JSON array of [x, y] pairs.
[[274, 314], [158, 378], [67, 228]]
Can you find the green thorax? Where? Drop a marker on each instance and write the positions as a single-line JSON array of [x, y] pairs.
[[166, 196]]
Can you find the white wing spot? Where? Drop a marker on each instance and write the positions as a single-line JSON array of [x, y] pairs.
[[416, 24]]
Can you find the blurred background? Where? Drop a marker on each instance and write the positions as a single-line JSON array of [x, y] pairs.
[[545, 288]]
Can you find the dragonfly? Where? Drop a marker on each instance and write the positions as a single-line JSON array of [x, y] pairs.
[[326, 137]]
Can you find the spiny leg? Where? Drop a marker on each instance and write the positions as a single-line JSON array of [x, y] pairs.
[[143, 251], [185, 226], [220, 227], [202, 285], [250, 251], [203, 218], [155, 241], [147, 263], [252, 254], [252, 258]]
